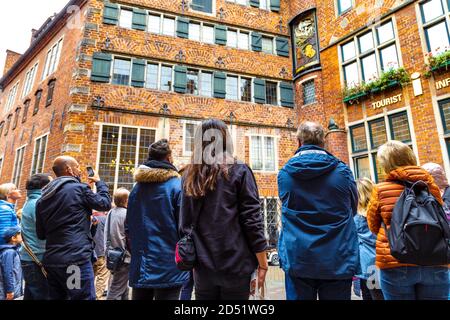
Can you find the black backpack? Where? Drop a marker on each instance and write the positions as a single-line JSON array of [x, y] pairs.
[[419, 233]]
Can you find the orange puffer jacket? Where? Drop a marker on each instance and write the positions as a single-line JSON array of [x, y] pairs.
[[384, 198]]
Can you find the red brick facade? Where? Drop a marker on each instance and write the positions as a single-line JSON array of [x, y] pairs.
[[74, 121]]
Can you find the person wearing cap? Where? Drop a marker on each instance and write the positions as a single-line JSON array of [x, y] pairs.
[[152, 224], [10, 269]]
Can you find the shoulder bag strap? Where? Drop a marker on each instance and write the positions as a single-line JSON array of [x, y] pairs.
[[33, 257], [108, 230]]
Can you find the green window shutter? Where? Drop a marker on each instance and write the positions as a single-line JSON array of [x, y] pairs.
[[254, 3], [138, 73], [220, 79], [275, 5], [256, 41], [183, 28], [260, 90], [111, 13], [221, 34], [282, 47], [287, 94], [139, 19], [101, 67], [180, 84]]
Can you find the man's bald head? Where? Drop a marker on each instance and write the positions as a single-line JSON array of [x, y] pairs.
[[65, 166], [311, 133], [121, 197]]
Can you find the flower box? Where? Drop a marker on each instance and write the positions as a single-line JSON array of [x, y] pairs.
[[445, 65]]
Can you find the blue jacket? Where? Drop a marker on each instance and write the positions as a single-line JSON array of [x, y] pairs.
[[319, 198], [63, 218], [10, 271], [8, 218], [367, 241], [29, 227], [152, 223]]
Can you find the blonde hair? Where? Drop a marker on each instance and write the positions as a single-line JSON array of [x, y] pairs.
[[121, 197], [365, 188], [5, 189], [395, 154]]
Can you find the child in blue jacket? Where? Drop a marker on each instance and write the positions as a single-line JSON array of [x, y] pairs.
[[10, 268]]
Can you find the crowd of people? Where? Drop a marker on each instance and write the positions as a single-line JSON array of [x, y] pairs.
[[74, 241]]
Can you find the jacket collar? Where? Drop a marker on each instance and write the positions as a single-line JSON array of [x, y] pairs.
[[6, 203], [34, 194], [146, 174]]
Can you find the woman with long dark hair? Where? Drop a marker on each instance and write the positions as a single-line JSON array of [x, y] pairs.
[[221, 203]]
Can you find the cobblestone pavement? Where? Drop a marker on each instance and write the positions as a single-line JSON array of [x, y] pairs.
[[276, 286]]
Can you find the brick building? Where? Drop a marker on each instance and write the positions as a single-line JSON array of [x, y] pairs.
[[103, 79]]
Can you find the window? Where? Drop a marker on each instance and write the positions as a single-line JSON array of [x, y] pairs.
[[264, 4], [271, 93], [242, 2], [436, 19], [11, 97], [37, 101], [122, 149], [267, 45], [232, 38], [344, 5], [40, 148], [246, 89], [166, 78], [51, 90], [169, 26], [208, 34], [262, 153], [29, 80], [271, 212], [368, 136], [126, 18], [52, 60], [121, 72], [192, 82], [232, 88], [206, 84], [154, 23], [444, 107], [202, 5], [194, 31], [363, 60], [16, 118], [244, 40], [309, 92], [152, 76], [189, 137], [26, 107], [18, 164]]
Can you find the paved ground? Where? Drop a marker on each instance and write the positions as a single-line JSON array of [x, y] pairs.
[[276, 287]]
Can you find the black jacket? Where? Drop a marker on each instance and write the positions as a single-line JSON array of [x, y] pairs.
[[230, 230], [63, 218]]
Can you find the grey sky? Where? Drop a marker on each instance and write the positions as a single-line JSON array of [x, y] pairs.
[[18, 17]]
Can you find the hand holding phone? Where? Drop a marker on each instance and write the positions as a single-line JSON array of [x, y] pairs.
[[93, 176], [90, 172]]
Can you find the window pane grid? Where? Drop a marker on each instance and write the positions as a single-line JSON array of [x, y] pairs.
[[400, 128], [271, 93], [309, 92], [358, 135], [378, 133]]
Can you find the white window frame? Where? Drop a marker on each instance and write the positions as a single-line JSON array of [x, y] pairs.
[[129, 9], [119, 144], [45, 153], [19, 173], [187, 153], [111, 72], [264, 200], [339, 12], [12, 95], [29, 80], [267, 2], [376, 50], [370, 152], [51, 69], [276, 157]]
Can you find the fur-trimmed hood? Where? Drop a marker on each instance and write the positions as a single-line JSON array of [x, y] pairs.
[[146, 174]]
